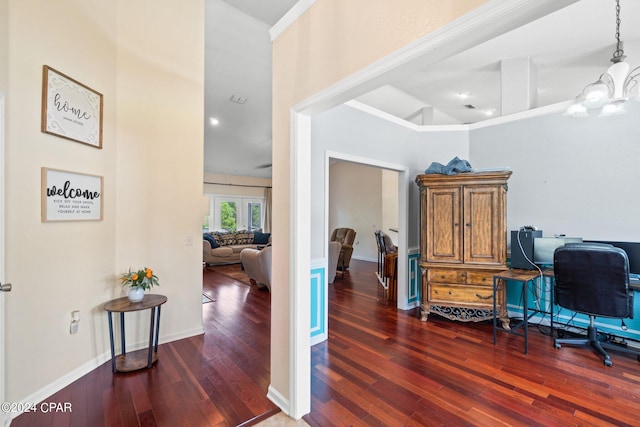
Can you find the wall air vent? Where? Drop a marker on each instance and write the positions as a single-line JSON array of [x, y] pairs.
[[237, 99]]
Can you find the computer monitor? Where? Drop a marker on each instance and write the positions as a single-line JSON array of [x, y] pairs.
[[633, 253], [544, 247]]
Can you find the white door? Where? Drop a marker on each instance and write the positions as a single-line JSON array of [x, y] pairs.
[[4, 416]]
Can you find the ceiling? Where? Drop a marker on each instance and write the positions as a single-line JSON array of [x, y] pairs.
[[569, 49]]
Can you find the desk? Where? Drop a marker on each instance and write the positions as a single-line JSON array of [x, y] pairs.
[[525, 277], [141, 358]]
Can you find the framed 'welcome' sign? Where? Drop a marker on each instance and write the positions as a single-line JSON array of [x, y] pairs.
[[70, 109], [71, 196]]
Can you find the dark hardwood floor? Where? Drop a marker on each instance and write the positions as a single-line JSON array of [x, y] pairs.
[[380, 366], [216, 379]]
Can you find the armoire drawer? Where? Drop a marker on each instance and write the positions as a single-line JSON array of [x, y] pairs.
[[468, 277], [482, 278], [481, 295], [447, 276]]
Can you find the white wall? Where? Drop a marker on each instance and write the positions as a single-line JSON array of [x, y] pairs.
[[147, 61], [353, 132], [235, 185], [570, 175]]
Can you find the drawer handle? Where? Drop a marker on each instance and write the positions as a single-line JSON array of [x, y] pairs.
[[487, 297]]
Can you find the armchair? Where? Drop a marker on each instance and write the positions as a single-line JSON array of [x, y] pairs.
[[345, 236], [334, 253], [593, 279], [257, 265]]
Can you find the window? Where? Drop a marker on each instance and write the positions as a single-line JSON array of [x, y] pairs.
[[232, 213], [254, 215], [228, 216]]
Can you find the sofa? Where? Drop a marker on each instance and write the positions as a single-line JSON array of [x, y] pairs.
[[257, 265], [225, 247]]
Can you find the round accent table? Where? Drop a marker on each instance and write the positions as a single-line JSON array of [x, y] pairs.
[[127, 362]]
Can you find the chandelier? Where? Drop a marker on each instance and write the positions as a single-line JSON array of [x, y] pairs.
[[613, 88]]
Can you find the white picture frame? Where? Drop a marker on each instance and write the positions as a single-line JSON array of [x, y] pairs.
[[70, 109], [71, 196]]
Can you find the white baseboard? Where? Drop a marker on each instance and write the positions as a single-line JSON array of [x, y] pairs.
[[278, 399], [410, 306], [63, 381], [82, 370], [318, 339], [361, 258]]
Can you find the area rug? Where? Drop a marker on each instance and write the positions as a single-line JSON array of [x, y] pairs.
[[234, 271], [206, 299]]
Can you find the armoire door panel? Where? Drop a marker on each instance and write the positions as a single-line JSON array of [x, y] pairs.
[[482, 223], [443, 231]]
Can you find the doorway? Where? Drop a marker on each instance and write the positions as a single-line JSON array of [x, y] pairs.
[[365, 194]]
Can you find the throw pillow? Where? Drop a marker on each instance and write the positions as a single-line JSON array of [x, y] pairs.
[[209, 238], [244, 238], [261, 238]]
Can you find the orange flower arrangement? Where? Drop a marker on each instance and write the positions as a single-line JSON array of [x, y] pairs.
[[143, 278]]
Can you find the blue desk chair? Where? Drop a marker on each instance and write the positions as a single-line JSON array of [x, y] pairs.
[[593, 279]]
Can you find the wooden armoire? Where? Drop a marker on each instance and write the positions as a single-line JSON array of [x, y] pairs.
[[463, 243]]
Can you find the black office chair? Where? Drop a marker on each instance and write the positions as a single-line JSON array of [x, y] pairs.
[[593, 279]]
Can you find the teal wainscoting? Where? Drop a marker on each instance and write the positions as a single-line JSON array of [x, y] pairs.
[[566, 318], [319, 297], [413, 296]]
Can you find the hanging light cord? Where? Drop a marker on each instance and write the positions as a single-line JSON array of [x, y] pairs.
[[618, 55]]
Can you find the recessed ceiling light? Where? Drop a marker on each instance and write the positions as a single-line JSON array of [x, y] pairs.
[[237, 99], [463, 95], [214, 121], [489, 112]]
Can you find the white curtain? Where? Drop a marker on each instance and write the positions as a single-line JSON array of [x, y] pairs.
[[267, 210]]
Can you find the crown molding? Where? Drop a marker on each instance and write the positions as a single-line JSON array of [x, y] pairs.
[[475, 27]]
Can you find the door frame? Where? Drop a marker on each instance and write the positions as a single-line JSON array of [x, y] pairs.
[[485, 22], [5, 418]]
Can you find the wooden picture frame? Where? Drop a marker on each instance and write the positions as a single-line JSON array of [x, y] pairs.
[[70, 109], [71, 196]]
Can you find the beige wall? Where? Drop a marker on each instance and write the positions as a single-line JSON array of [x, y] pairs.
[[331, 41], [147, 61], [390, 204], [355, 201], [4, 43]]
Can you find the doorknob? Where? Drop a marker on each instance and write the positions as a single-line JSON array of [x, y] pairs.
[[6, 287]]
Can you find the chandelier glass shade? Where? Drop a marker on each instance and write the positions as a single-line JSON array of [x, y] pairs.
[[610, 92]]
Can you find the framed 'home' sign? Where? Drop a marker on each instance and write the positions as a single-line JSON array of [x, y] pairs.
[[70, 109], [71, 196]]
